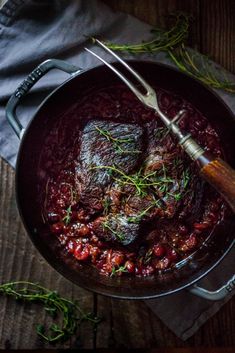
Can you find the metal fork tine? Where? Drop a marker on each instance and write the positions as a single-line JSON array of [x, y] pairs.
[[137, 76], [150, 100], [123, 78]]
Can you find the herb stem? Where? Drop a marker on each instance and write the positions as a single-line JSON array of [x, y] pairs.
[[120, 236], [187, 60], [163, 40], [116, 141], [54, 304]]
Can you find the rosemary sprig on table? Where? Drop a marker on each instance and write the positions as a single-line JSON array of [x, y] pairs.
[[70, 313], [187, 60], [200, 67], [117, 142], [163, 40]]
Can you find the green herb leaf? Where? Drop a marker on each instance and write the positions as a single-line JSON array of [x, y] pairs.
[[117, 234], [186, 59], [67, 217], [40, 329], [163, 40], [118, 270], [186, 177], [137, 218], [200, 67], [142, 182], [51, 311], [106, 205], [117, 142], [70, 313], [148, 256]]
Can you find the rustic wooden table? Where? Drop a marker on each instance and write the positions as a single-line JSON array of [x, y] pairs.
[[126, 323]]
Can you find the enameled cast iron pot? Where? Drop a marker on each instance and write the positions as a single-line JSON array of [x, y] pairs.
[[32, 140]]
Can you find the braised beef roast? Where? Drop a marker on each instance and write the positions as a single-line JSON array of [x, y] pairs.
[[111, 151], [118, 192]]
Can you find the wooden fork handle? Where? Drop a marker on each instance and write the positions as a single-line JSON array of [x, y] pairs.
[[220, 175]]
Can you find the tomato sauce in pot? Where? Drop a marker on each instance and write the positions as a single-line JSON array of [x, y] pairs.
[[118, 192]]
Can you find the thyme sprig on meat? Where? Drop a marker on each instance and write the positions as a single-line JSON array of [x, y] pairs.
[[140, 181], [137, 218], [117, 142], [119, 235], [69, 314], [159, 181], [106, 205]]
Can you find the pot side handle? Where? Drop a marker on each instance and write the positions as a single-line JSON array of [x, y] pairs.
[[219, 294], [28, 83]]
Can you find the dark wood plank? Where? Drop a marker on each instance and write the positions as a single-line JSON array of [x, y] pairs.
[[218, 331], [217, 18], [125, 319], [131, 324], [19, 260]]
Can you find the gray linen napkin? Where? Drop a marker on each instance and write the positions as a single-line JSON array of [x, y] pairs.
[[34, 30]]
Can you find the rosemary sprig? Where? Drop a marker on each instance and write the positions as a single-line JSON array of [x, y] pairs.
[[200, 67], [70, 312], [187, 60], [117, 142], [163, 40]]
